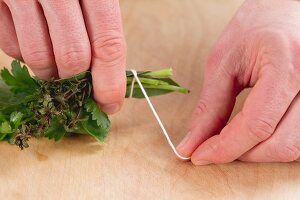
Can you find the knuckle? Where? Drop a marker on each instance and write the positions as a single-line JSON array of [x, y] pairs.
[[38, 59], [274, 49], [109, 48], [74, 61], [260, 129], [270, 36], [11, 51], [201, 107]]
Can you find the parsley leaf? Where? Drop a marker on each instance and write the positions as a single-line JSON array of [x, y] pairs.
[[20, 80], [5, 129], [16, 118], [100, 117], [90, 127], [33, 108], [56, 130]]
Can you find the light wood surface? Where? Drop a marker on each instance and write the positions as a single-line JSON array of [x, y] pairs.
[[136, 162]]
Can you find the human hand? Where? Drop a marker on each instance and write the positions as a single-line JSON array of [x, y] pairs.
[[260, 49], [61, 38]]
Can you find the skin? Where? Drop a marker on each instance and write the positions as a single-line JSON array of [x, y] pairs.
[[259, 49], [61, 38]]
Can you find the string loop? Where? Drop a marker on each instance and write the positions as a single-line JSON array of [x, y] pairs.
[[136, 78]]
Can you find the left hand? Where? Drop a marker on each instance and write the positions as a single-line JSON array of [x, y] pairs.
[[260, 49]]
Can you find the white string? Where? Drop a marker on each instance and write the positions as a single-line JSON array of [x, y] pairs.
[[132, 87], [155, 114]]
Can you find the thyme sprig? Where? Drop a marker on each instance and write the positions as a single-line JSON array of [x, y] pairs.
[[34, 108]]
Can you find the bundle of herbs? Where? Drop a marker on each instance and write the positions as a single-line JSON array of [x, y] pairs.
[[34, 108]]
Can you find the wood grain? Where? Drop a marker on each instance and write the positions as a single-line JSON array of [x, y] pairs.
[[136, 162]]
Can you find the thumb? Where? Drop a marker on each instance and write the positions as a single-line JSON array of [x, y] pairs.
[[216, 101], [276, 86]]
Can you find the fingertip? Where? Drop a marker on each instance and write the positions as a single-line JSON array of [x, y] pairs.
[[46, 73], [109, 88], [109, 101], [209, 152], [109, 98], [206, 121], [111, 108], [201, 162], [184, 147], [193, 140]]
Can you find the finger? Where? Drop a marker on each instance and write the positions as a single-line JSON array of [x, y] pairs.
[[8, 37], [216, 101], [103, 20], [284, 144], [264, 107], [33, 37], [69, 36], [263, 110]]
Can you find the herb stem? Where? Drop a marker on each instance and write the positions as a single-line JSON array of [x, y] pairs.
[[163, 73], [164, 87], [148, 81]]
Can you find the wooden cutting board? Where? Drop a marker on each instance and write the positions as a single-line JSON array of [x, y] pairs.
[[136, 162]]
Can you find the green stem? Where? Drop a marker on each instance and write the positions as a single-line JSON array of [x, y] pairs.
[[164, 87], [148, 81], [164, 73]]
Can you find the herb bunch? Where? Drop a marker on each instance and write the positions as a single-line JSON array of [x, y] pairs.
[[30, 107]]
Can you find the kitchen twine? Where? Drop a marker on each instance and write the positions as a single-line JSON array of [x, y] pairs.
[[136, 78]]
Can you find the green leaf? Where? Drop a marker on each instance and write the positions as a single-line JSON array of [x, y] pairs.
[[137, 92], [16, 118], [97, 123], [2, 117], [56, 130], [9, 102], [100, 117], [20, 81], [5, 94], [30, 107], [155, 83], [8, 78], [5, 129], [91, 127], [21, 74], [155, 90], [150, 81]]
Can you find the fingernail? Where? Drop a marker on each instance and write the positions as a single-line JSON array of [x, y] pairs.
[[184, 141], [111, 108], [201, 162]]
